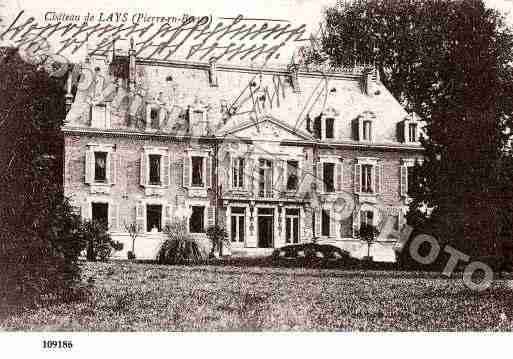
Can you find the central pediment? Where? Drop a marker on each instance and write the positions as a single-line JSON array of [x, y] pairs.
[[266, 129]]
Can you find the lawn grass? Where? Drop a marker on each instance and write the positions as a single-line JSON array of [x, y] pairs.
[[128, 296]]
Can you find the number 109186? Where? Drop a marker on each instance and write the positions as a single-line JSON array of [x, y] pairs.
[[57, 344]]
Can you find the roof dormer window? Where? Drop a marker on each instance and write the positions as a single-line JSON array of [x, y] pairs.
[[409, 130], [363, 127]]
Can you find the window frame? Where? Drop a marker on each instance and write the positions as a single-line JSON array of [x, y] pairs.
[[288, 174], [237, 217], [374, 163], [203, 172], [110, 178], [150, 182], [237, 180], [364, 177], [370, 118], [160, 151], [106, 166]]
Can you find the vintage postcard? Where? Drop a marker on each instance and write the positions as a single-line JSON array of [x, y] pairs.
[[278, 166]]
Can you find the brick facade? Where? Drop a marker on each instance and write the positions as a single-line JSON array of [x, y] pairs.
[[153, 147]]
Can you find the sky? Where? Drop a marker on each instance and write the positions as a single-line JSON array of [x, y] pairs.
[[308, 12]]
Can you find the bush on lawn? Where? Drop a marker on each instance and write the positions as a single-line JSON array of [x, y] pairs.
[[179, 247], [99, 244], [311, 252]]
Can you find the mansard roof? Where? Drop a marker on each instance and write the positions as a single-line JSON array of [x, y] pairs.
[[241, 96]]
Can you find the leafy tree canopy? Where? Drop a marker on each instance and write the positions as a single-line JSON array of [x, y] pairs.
[[451, 62]]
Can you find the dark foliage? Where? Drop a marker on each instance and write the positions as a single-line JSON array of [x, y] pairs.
[[451, 63], [179, 247], [39, 232], [98, 242]]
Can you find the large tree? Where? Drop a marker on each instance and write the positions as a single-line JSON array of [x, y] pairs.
[[39, 233], [451, 63]]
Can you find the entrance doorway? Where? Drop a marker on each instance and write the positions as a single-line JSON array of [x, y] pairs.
[[265, 228]]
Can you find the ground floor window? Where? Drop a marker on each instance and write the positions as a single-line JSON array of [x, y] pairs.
[[100, 213], [292, 225], [154, 218], [237, 224], [325, 224], [196, 222]]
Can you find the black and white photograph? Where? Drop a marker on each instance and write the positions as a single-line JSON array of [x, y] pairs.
[[291, 167]]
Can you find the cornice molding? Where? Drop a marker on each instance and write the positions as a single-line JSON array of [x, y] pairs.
[[182, 138]]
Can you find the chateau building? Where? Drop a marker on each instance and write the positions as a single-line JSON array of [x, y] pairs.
[[276, 155]]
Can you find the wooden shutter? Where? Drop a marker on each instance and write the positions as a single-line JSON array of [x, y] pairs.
[[378, 176], [339, 179], [355, 129], [186, 171], [143, 169], [165, 170], [404, 180], [113, 217], [112, 167], [400, 132], [357, 178], [249, 174], [177, 172], [319, 180], [167, 215], [210, 216], [334, 223], [280, 175], [89, 167], [139, 216], [208, 171]]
